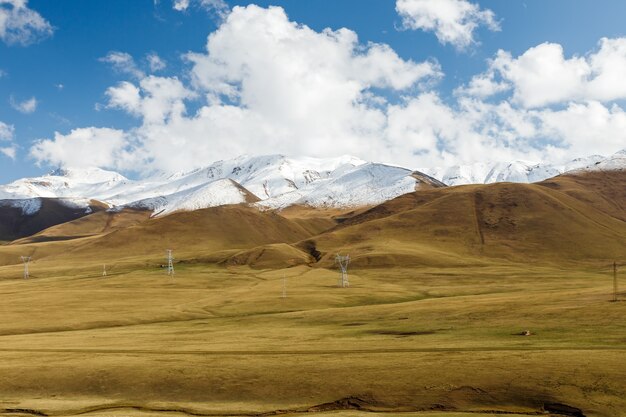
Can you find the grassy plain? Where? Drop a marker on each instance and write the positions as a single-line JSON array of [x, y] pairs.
[[216, 340]]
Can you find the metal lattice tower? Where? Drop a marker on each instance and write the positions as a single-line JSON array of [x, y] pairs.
[[170, 263], [26, 260], [104, 270], [343, 262], [284, 287]]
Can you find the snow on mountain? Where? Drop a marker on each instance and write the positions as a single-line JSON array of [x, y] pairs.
[[264, 176], [217, 193], [275, 181], [365, 184], [516, 171], [614, 162], [71, 183], [29, 206]]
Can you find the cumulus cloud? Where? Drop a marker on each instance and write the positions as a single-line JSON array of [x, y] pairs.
[[20, 25], [84, 147], [27, 106], [123, 63], [156, 100], [543, 76], [155, 62], [452, 21], [266, 84]]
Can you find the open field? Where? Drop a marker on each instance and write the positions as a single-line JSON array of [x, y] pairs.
[[215, 340]]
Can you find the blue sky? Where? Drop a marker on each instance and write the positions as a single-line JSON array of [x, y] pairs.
[[63, 66]]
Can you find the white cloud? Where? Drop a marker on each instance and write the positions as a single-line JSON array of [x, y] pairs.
[[452, 21], [271, 85], [83, 147], [483, 86], [586, 128], [155, 62], [180, 5], [543, 76], [156, 100], [268, 85], [218, 7], [27, 106], [6, 131], [21, 25], [7, 134], [123, 63], [9, 152]]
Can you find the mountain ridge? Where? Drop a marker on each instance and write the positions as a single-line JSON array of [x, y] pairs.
[[273, 182]]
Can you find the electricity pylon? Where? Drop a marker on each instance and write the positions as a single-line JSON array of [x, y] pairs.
[[343, 262], [26, 260], [170, 263]]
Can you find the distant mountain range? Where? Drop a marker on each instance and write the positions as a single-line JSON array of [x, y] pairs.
[[269, 182]]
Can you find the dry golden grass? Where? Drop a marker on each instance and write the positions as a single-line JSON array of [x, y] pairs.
[[214, 340]]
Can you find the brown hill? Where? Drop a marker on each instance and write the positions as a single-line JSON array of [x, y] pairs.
[[567, 219], [603, 190], [94, 224], [211, 234], [14, 224]]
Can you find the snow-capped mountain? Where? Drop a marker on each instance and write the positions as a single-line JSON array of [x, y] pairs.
[[519, 171], [271, 182], [216, 193], [64, 183], [365, 184]]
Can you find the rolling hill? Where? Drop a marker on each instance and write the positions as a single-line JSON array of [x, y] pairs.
[[577, 218]]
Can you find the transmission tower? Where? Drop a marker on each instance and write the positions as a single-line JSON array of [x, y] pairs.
[[104, 270], [26, 260], [343, 262], [170, 263], [284, 287]]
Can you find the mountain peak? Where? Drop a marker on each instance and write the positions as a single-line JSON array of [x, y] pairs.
[[87, 175]]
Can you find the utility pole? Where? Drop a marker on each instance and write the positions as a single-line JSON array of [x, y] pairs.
[[26, 260], [343, 262], [170, 263], [615, 290]]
